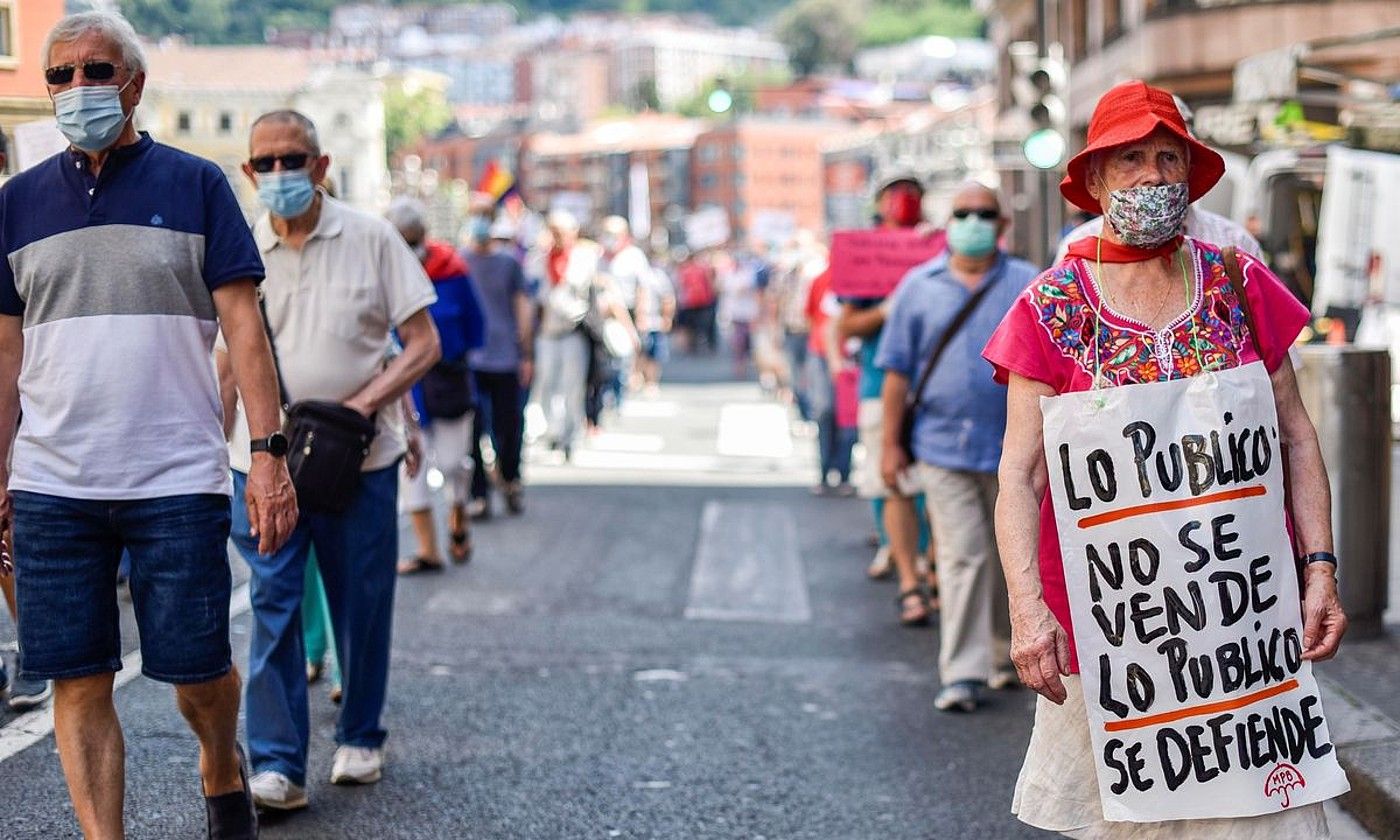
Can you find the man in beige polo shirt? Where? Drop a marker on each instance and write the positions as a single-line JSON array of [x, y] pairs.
[[339, 281]]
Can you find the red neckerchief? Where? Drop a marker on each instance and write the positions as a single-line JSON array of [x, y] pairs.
[[1114, 252], [558, 264]]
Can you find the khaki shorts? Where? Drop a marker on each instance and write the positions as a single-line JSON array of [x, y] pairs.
[[870, 429]]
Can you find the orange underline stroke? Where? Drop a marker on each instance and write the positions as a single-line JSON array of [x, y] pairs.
[[1179, 504], [1206, 709]]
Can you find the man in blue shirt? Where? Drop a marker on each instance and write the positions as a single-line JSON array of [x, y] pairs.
[[957, 435]]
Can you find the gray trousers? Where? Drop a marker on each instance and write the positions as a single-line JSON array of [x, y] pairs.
[[561, 374], [974, 621]]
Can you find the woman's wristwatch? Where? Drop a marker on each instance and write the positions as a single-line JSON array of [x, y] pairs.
[[1320, 557]]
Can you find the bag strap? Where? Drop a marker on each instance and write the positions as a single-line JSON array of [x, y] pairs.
[[276, 362], [1236, 274], [914, 399]]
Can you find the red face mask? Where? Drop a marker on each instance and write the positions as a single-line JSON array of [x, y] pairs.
[[902, 207]]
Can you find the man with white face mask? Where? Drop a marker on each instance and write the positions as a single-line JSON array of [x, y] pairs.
[[124, 258], [339, 281]]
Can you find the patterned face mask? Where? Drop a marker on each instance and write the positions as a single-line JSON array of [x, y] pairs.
[[1145, 217]]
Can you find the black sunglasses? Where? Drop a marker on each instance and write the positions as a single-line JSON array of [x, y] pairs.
[[93, 71], [989, 215], [264, 164]]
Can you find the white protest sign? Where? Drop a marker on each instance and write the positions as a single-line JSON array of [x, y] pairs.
[[37, 141], [707, 227], [1184, 597]]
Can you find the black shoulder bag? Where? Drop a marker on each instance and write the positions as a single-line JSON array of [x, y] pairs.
[[914, 398], [328, 444]]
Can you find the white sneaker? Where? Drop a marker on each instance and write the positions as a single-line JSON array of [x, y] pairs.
[[357, 766], [275, 791]]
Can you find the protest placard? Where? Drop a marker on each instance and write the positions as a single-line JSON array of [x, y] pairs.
[[1185, 599], [870, 263]]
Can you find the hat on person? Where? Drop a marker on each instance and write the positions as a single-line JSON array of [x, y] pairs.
[[1130, 112], [903, 177]]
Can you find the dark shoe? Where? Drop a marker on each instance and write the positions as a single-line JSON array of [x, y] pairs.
[[963, 696], [27, 694], [233, 816], [515, 498], [4, 678]]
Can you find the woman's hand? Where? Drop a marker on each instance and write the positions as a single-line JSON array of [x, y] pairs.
[[1040, 648], [1324, 622]]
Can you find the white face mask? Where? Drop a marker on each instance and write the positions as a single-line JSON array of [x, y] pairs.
[[91, 116]]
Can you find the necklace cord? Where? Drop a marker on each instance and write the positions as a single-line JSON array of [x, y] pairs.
[[1194, 336]]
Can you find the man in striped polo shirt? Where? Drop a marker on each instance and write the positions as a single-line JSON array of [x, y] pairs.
[[124, 258]]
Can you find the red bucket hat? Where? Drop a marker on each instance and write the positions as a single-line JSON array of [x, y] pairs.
[[1130, 112]]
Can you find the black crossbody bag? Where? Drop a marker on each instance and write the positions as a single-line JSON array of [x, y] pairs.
[[327, 445], [914, 398]]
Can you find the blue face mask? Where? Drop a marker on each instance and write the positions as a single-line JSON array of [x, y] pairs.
[[90, 117], [481, 229], [972, 237], [286, 194]]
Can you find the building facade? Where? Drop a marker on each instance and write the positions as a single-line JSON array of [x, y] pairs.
[[23, 96], [593, 172], [678, 61], [767, 174], [194, 103]]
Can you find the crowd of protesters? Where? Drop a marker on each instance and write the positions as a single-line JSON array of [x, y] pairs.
[[394, 356]]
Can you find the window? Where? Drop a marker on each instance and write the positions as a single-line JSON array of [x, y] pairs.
[[182, 122], [9, 50], [225, 122]]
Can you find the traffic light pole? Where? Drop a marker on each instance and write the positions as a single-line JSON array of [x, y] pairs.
[[1044, 250]]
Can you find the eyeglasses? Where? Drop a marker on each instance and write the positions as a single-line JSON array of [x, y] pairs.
[[264, 164], [989, 215], [93, 71]]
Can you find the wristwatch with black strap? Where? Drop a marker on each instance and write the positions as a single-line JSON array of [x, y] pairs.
[[1320, 557], [275, 444]]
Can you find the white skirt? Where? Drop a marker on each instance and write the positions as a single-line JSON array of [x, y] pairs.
[[1058, 790]]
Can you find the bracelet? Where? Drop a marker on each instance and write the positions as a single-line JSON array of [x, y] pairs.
[[1320, 557]]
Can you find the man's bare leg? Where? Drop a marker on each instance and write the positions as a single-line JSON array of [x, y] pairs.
[[211, 709], [93, 753]]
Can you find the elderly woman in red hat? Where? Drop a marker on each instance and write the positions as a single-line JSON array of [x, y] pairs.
[[1133, 336]]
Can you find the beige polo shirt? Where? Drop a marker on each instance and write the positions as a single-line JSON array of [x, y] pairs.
[[332, 306]]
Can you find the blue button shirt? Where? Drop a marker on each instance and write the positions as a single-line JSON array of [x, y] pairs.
[[963, 412]]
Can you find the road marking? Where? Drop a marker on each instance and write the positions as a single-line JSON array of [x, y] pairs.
[[34, 726], [754, 430], [747, 567]]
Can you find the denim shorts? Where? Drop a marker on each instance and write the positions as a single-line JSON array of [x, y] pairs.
[[66, 557]]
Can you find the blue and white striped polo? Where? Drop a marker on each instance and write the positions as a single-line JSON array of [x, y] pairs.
[[113, 277]]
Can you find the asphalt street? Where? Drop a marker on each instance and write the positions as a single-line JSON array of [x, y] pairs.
[[676, 640]]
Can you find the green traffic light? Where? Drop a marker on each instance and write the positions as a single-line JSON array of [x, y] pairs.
[[1044, 148], [720, 101]]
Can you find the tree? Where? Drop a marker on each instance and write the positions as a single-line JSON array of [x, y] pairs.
[[645, 96], [820, 34], [412, 112]]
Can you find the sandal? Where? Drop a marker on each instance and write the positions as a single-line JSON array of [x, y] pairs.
[[415, 565], [913, 619], [461, 547]]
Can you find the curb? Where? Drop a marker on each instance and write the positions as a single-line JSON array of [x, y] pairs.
[[1368, 748]]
